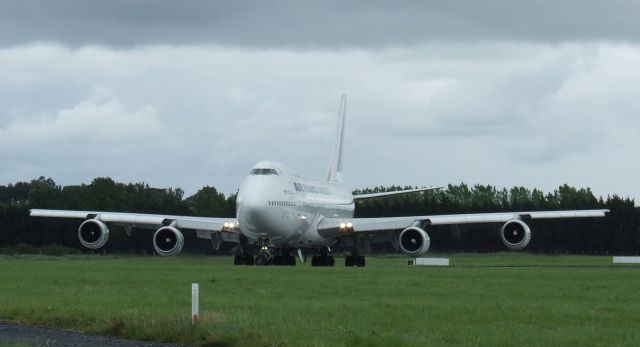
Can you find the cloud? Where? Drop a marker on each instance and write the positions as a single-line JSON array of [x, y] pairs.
[[96, 137], [531, 114], [101, 120], [303, 25], [593, 107]]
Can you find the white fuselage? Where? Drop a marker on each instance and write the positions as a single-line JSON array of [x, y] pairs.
[[275, 202]]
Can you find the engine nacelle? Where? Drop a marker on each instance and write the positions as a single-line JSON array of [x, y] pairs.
[[515, 234], [93, 234], [414, 241], [168, 241]]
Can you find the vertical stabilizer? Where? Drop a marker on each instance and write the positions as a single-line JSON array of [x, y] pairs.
[[335, 165]]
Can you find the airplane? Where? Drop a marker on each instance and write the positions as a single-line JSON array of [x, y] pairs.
[[283, 213]]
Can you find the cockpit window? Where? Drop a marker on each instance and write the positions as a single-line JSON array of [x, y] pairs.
[[264, 172]]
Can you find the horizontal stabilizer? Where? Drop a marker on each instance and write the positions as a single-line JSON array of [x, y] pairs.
[[396, 192]]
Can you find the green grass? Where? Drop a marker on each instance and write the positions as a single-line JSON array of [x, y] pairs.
[[541, 300], [13, 344]]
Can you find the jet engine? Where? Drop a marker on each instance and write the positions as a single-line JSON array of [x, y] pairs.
[[93, 233], [168, 241], [414, 241], [515, 234]]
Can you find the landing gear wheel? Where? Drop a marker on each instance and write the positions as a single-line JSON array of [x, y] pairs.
[[322, 260], [360, 261], [263, 259], [238, 260], [354, 260], [243, 259], [284, 260]]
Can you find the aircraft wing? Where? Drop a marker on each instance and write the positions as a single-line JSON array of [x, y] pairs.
[[338, 227], [140, 220]]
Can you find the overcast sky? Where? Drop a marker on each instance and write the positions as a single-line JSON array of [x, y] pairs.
[[193, 93]]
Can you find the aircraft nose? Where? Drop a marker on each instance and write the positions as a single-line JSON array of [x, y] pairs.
[[256, 219], [251, 213], [254, 212], [253, 203]]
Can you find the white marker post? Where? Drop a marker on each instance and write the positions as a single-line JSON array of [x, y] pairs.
[[195, 293]]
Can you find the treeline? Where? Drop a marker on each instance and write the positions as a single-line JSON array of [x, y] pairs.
[[619, 233]]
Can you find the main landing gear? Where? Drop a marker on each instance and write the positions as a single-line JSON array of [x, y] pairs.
[[244, 258], [354, 259], [285, 259], [285, 256], [265, 256], [324, 259]]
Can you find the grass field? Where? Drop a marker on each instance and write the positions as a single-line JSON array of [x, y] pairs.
[[539, 300]]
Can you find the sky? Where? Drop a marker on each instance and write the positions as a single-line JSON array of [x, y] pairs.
[[193, 93]]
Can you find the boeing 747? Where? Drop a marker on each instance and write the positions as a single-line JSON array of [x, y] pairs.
[[282, 214]]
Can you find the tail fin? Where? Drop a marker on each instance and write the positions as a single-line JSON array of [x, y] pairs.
[[335, 165]]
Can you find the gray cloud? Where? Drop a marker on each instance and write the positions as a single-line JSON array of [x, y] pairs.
[[193, 93], [302, 24], [510, 114]]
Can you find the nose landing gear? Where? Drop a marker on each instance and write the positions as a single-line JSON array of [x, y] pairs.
[[264, 255]]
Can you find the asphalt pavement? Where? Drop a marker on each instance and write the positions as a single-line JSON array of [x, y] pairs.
[[13, 334]]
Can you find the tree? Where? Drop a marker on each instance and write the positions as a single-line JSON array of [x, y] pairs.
[[208, 202]]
